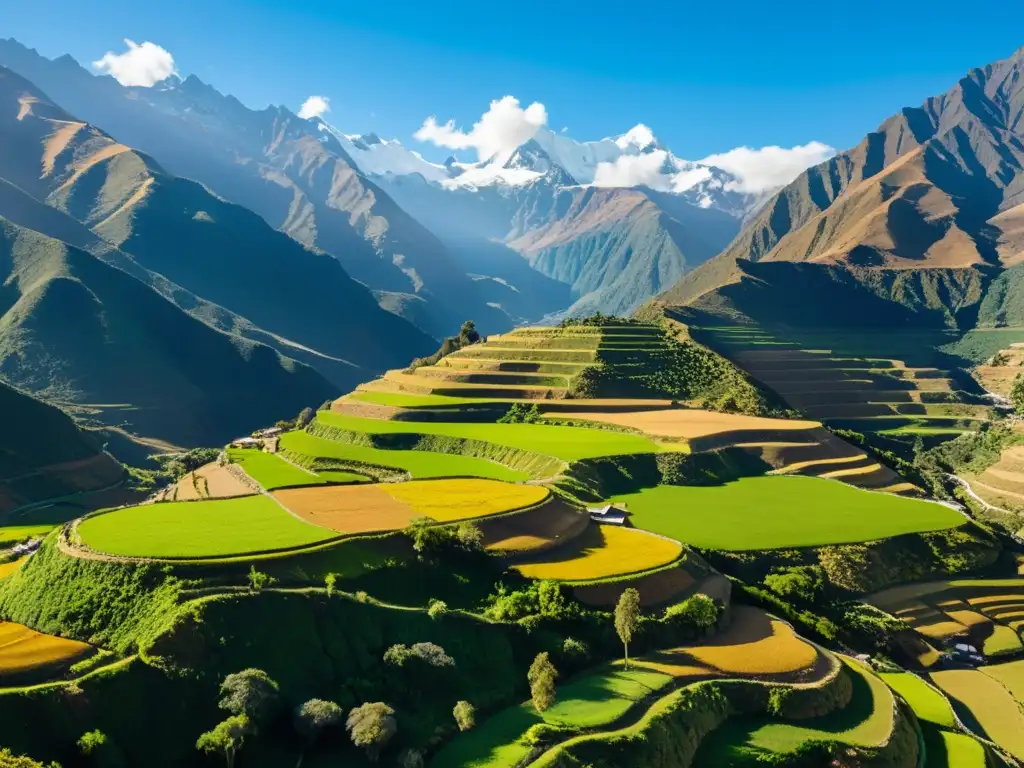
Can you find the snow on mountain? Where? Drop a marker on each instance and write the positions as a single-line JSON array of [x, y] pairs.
[[381, 157]]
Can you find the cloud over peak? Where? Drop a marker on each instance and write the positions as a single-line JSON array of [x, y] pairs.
[[315, 106], [502, 128], [143, 65], [758, 170]]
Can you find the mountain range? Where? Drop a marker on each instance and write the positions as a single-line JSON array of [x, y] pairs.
[[926, 213]]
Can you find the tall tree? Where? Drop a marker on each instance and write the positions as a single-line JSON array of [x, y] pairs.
[[250, 692], [627, 617], [227, 738], [542, 676], [371, 727], [1017, 393]]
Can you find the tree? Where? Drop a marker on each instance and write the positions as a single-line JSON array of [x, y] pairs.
[[1017, 393], [437, 609], [250, 692], [465, 715], [10, 760], [227, 738], [371, 726], [542, 676], [697, 611], [316, 715], [468, 333], [258, 580], [100, 750], [627, 618], [305, 416], [329, 581]]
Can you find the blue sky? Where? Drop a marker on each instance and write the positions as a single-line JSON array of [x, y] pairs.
[[705, 77]]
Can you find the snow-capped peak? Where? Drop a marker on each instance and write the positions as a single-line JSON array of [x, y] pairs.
[[638, 137], [375, 155]]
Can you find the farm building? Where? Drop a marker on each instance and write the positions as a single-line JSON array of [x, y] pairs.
[[245, 442], [269, 432], [612, 514]]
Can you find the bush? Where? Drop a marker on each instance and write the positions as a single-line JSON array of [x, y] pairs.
[[802, 582], [437, 609], [464, 714], [520, 413], [697, 612]]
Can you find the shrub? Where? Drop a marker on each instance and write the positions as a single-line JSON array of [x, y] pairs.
[[315, 715], [574, 649], [541, 677], [520, 413], [802, 582], [697, 612], [465, 715], [371, 726]]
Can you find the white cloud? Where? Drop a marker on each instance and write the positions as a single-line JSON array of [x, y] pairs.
[[634, 171], [502, 128], [315, 106], [144, 65], [758, 170]]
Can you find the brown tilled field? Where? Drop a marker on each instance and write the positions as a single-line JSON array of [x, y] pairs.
[[655, 588], [534, 529], [211, 481], [689, 424], [348, 508]]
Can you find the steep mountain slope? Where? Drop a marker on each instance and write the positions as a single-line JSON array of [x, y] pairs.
[[937, 186], [104, 195], [298, 178], [80, 332], [44, 455]]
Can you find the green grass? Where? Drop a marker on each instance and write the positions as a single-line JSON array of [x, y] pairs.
[[866, 721], [771, 512], [400, 400], [15, 534], [199, 529], [420, 464], [928, 704], [272, 471], [566, 443], [945, 749], [587, 702]]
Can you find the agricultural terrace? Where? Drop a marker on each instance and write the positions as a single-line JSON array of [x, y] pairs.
[[15, 534], [1011, 675], [928, 704], [212, 481], [896, 383], [867, 721], [198, 529], [602, 551], [755, 513], [1002, 483], [990, 613], [392, 506], [566, 443], [419, 464], [539, 528], [23, 650], [986, 706], [6, 569], [754, 644], [271, 471]]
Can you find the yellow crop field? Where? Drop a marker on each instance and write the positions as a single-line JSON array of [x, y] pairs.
[[755, 644], [23, 649], [459, 498], [1011, 675], [603, 551], [540, 527], [989, 702], [6, 569], [391, 506]]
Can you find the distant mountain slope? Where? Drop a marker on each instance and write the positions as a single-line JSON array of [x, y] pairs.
[[298, 178], [247, 277], [939, 186], [78, 331], [44, 455]]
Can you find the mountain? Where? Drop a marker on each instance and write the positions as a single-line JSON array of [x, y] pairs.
[[43, 454], [214, 259], [935, 187], [298, 178]]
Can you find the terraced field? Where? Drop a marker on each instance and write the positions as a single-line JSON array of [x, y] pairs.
[[762, 513], [842, 379], [24, 650], [602, 697], [272, 471], [602, 551], [990, 614], [211, 481], [197, 529], [1002, 483], [392, 506], [986, 706]]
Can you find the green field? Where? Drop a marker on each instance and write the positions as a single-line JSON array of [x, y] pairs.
[[928, 704], [420, 464], [945, 749], [772, 512], [272, 471], [566, 443], [15, 534], [402, 400], [199, 529], [587, 702], [866, 721]]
